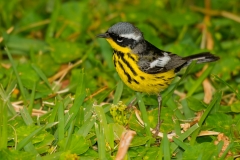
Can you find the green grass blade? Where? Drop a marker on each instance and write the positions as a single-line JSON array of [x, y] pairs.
[[226, 151], [204, 116], [118, 93], [3, 124], [160, 152], [17, 76], [50, 125], [103, 124], [86, 127], [5, 95], [166, 148], [27, 139], [61, 122], [69, 137], [180, 143], [144, 115], [30, 148], [79, 98], [32, 98], [80, 116], [219, 147], [172, 105], [200, 80], [100, 141], [184, 136], [226, 84], [53, 22], [41, 75], [26, 116]]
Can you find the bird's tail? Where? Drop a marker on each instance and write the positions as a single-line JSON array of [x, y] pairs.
[[199, 58]]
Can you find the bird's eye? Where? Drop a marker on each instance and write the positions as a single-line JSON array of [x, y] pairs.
[[119, 39]]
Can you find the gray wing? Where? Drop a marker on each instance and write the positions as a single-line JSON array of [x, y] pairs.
[[157, 61]]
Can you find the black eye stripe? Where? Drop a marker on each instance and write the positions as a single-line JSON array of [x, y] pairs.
[[122, 41]]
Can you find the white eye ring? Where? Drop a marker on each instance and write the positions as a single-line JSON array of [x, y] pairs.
[[120, 39]]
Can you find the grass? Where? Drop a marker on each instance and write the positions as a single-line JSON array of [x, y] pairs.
[[61, 98]]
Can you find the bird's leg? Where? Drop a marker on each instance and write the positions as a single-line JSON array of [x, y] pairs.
[[157, 129]]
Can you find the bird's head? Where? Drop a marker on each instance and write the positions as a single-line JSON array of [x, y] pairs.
[[122, 35]]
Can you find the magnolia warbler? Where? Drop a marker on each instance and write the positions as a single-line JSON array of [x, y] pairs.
[[142, 66]]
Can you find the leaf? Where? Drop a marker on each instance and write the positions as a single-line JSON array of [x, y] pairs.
[[24, 131], [220, 122], [68, 155], [166, 116], [7, 154], [134, 124], [27, 73], [22, 46], [118, 130], [89, 155], [151, 153], [235, 107], [44, 146], [138, 141], [195, 105], [65, 51], [204, 150], [78, 144], [30, 137], [29, 76], [43, 61], [226, 66]]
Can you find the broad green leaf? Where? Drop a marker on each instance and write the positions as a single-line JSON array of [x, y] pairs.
[[69, 155], [226, 66], [235, 107], [44, 61], [24, 131], [134, 124], [22, 45], [204, 150], [44, 146], [29, 76], [118, 130], [219, 122], [195, 105], [89, 155], [138, 141], [8, 154], [78, 144], [166, 116], [65, 51], [152, 153]]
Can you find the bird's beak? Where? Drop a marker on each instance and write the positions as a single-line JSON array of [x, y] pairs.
[[103, 35]]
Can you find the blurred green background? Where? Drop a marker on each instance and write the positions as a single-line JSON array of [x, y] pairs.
[[51, 33]]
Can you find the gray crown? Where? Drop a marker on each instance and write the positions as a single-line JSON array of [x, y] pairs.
[[123, 28]]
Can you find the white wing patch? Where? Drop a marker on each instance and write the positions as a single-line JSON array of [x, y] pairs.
[[131, 36], [160, 62]]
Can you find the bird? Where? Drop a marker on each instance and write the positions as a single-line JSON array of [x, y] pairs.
[[144, 67]]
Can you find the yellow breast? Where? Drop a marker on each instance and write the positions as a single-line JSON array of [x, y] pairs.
[[127, 67]]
